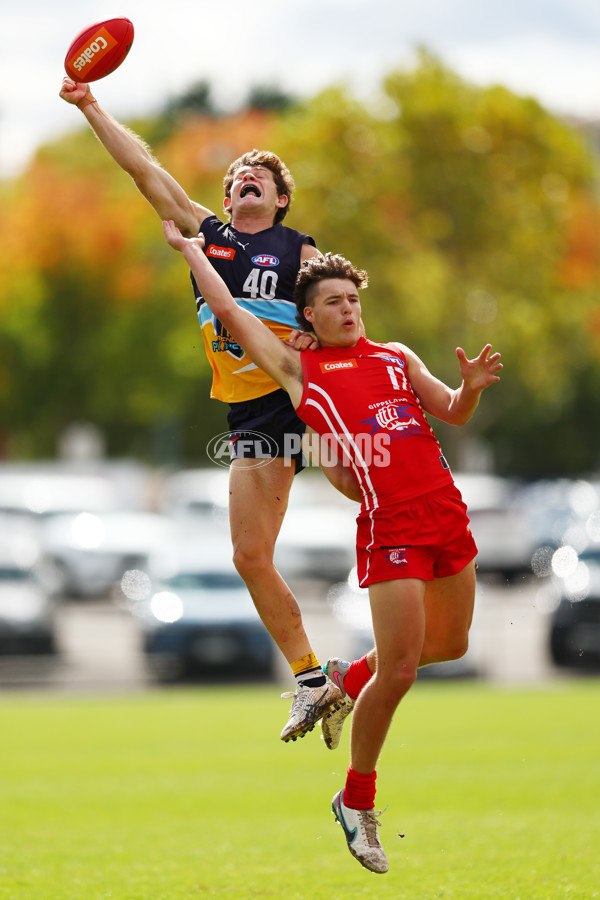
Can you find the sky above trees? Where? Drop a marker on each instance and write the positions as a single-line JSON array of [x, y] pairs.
[[547, 48]]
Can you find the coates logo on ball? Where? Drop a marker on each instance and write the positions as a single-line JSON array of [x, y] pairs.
[[99, 49]]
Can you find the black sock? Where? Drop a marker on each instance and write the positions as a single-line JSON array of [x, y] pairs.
[[312, 677]]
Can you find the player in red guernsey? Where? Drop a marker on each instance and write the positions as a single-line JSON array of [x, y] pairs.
[[340, 385], [415, 551]]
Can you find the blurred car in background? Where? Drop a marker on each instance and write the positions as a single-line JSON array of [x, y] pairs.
[[200, 495], [196, 615], [499, 524], [557, 505], [575, 621], [560, 512], [27, 612], [318, 534], [84, 554], [38, 491]]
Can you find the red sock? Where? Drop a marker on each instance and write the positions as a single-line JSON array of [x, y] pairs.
[[356, 677], [359, 792]]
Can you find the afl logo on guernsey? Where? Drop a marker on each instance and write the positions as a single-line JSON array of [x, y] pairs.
[[340, 364], [265, 259]]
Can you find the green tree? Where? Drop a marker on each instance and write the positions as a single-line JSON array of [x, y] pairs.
[[475, 211], [269, 97]]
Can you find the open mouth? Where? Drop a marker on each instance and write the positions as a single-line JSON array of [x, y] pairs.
[[249, 188]]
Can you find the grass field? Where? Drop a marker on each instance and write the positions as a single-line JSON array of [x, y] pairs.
[[187, 794]]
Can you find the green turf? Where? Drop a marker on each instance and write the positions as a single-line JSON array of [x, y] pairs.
[[187, 794]]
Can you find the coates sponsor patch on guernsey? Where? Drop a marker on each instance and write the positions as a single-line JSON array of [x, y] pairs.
[[338, 365], [220, 252]]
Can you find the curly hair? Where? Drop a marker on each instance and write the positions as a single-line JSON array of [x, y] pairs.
[[319, 268], [281, 175]]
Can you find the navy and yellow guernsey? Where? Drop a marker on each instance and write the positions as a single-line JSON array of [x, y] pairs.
[[260, 271]]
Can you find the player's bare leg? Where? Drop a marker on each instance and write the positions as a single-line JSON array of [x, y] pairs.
[[257, 504], [398, 613], [449, 604]]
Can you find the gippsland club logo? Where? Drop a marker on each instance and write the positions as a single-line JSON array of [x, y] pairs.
[[397, 419], [258, 448], [396, 556]]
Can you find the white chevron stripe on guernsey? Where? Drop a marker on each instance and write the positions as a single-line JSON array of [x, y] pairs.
[[362, 473], [356, 460]]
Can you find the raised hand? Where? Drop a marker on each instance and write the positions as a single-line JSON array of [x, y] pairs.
[[73, 91], [480, 372], [175, 238]]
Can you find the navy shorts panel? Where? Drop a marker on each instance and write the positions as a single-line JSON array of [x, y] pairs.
[[260, 426]]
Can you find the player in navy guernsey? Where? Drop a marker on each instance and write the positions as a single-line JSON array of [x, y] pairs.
[[263, 283], [258, 258], [415, 551]]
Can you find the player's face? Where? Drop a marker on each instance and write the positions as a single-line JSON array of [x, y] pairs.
[[253, 191], [335, 314]]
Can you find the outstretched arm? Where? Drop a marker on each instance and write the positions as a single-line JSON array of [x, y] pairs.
[[454, 406], [159, 188], [270, 354]]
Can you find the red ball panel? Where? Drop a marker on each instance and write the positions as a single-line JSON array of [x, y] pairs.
[[99, 49]]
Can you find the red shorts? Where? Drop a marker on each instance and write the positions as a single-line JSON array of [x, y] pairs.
[[428, 537]]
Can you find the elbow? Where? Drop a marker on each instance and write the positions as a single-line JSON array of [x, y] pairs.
[[456, 418], [138, 177], [137, 168], [222, 310], [142, 171], [460, 420], [459, 413]]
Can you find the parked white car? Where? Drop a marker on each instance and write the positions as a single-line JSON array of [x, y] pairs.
[[499, 524], [318, 534], [86, 553], [38, 491], [27, 612], [201, 495]]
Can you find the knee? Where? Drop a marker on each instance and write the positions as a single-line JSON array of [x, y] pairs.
[[457, 647], [250, 559], [454, 648], [400, 680], [445, 649]]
